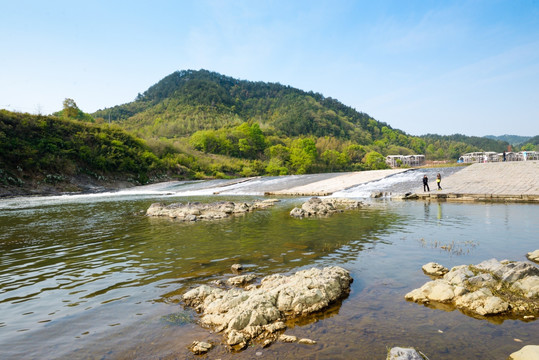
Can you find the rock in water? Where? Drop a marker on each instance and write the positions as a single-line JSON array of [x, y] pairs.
[[200, 347], [316, 206], [236, 268], [258, 312], [489, 288], [435, 269], [533, 256], [528, 352], [202, 211], [398, 353]]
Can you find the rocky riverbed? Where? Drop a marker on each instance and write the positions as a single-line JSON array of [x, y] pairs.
[[492, 287], [259, 312]]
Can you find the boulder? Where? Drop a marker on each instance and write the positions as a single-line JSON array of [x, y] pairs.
[[533, 256], [528, 352], [489, 288], [258, 312], [435, 269], [206, 211], [316, 206], [398, 353]]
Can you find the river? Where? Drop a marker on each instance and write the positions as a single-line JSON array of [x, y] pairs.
[[90, 277]]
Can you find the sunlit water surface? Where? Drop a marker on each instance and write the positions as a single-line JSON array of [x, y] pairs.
[[91, 277]]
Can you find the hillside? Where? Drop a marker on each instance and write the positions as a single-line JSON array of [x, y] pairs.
[[187, 101], [47, 154], [511, 139]]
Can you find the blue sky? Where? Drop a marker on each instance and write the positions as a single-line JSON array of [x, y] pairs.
[[444, 67]]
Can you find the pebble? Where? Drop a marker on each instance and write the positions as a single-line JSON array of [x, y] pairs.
[[258, 353]]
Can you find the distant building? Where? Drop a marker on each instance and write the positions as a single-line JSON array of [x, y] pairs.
[[405, 160], [491, 156]]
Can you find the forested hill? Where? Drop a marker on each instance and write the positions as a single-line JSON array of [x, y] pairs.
[[511, 139], [39, 154], [187, 101]]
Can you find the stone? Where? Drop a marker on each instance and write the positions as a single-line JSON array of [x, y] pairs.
[[236, 268], [288, 338], [306, 341], [398, 353], [439, 290], [533, 256], [205, 211], [491, 287], [320, 207], [241, 280], [528, 352], [200, 347], [435, 269], [529, 286], [482, 302], [298, 212], [259, 312]]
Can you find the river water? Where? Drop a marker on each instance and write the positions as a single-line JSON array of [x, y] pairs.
[[91, 277]]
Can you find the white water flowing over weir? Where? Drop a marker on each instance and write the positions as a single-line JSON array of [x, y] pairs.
[[408, 181]]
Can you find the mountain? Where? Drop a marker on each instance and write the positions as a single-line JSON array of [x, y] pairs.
[[511, 139], [186, 101], [483, 143]]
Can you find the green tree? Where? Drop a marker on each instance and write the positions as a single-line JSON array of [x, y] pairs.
[[303, 154], [71, 109], [375, 161]]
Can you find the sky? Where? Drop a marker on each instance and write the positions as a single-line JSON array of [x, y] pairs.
[[440, 67]]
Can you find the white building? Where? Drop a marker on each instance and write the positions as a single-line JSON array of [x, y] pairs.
[[405, 160], [491, 156]]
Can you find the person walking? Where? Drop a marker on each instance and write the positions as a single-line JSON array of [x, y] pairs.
[[425, 183], [439, 181]]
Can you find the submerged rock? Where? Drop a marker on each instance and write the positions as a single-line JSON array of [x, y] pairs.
[[258, 312], [398, 353], [533, 256], [206, 211], [528, 352], [316, 206], [489, 288]]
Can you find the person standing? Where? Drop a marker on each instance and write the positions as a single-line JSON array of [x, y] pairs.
[[439, 181], [425, 183]]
